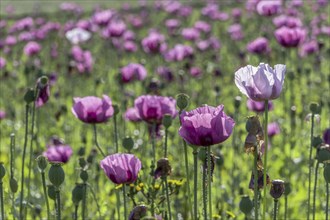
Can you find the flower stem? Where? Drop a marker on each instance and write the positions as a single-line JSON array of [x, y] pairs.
[[27, 107], [285, 207], [209, 179], [83, 208], [1, 200], [204, 194], [327, 202], [116, 134], [265, 160], [195, 152], [76, 212], [275, 208], [153, 140], [124, 196], [165, 143], [310, 168], [168, 199], [255, 175], [45, 193], [96, 202], [12, 154], [187, 174], [315, 184], [58, 199], [96, 142]]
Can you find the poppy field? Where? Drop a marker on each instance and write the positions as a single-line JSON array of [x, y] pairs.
[[165, 110]]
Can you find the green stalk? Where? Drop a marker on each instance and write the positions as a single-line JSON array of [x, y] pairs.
[[153, 137], [209, 179], [285, 207], [83, 208], [96, 142], [124, 196], [96, 202], [58, 199], [265, 160], [168, 199], [310, 167], [1, 199], [255, 175], [116, 134], [165, 143], [327, 202], [275, 208], [45, 193], [187, 176], [12, 153], [204, 195], [23, 160], [195, 152], [315, 184], [76, 212]]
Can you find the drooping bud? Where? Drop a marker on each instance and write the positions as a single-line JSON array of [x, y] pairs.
[[77, 193], [163, 168], [56, 174], [128, 143], [13, 185], [246, 204], [167, 121], [182, 101], [82, 162], [277, 189], [42, 163]]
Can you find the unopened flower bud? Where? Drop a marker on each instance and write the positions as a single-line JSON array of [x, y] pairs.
[[81, 151], [246, 205], [182, 101], [138, 212], [13, 185], [42, 163], [115, 109], [163, 168], [277, 189], [315, 108], [29, 96], [77, 193], [317, 141], [51, 192], [326, 172], [2, 171], [287, 188], [323, 154], [167, 121], [84, 175], [82, 162], [128, 143], [56, 174]]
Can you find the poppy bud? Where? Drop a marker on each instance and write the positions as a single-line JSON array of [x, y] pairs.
[[82, 162], [323, 154], [128, 143], [13, 185], [163, 168], [56, 174], [42, 163], [51, 192], [287, 188], [29, 96], [84, 175], [237, 102], [43, 81], [277, 189], [182, 101], [2, 171], [315, 108], [77, 193], [167, 121], [326, 172], [246, 204]]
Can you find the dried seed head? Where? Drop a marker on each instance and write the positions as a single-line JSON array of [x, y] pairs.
[[277, 189], [163, 168]]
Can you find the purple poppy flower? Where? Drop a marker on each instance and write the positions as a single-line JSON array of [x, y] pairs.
[[261, 83], [269, 7], [154, 43], [290, 37], [121, 168], [132, 114], [58, 153], [179, 53], [236, 13], [165, 73], [259, 46], [273, 129], [102, 18], [206, 126], [203, 26], [152, 108], [325, 30], [172, 25], [32, 48], [309, 48], [116, 28], [258, 107], [235, 32], [288, 21], [92, 109], [326, 136], [44, 93], [130, 46], [195, 71], [2, 114], [2, 63], [190, 34], [10, 40], [133, 71]]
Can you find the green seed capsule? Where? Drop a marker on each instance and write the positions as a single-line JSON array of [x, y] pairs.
[[326, 172], [167, 121], [77, 193], [51, 192], [315, 108], [182, 101], [323, 155], [128, 143], [246, 205], [13, 185], [84, 175], [29, 96], [42, 163], [56, 174], [115, 109]]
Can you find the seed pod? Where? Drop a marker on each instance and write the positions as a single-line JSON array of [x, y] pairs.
[[246, 204], [13, 185], [326, 172], [29, 96], [323, 154], [277, 189], [51, 192], [182, 101], [287, 188], [84, 175], [167, 121], [128, 143], [315, 108], [42, 163], [163, 168], [77, 193], [56, 174]]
